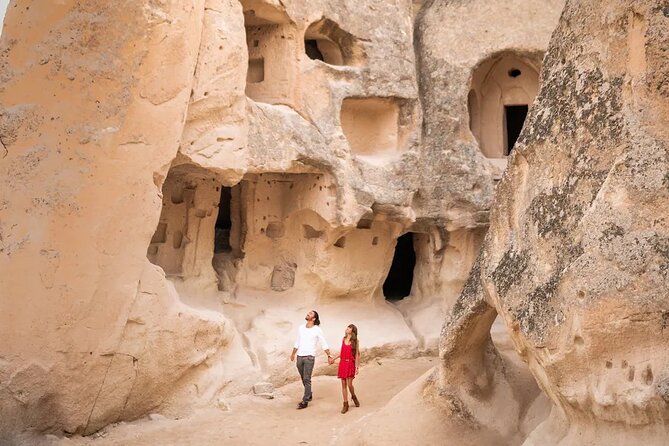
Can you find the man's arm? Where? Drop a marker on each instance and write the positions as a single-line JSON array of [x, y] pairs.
[[297, 344], [324, 345]]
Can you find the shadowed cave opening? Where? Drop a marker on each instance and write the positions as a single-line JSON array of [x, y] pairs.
[[324, 40], [229, 234], [223, 222], [398, 284], [514, 118], [311, 48], [201, 220]]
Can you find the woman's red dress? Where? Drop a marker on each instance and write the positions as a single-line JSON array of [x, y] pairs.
[[346, 362]]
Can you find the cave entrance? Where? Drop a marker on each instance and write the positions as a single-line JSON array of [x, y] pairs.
[[312, 50], [514, 118], [229, 234], [223, 222], [400, 277], [324, 40], [502, 90]]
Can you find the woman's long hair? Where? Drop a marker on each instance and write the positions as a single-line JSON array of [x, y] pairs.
[[354, 339]]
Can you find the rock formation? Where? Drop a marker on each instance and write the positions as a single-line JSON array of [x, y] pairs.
[[94, 97], [181, 181], [466, 70], [575, 261]]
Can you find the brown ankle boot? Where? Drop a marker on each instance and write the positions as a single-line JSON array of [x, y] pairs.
[[345, 408], [355, 401]]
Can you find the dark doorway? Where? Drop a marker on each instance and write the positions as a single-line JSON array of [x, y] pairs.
[[312, 50], [514, 118], [223, 222], [400, 278]]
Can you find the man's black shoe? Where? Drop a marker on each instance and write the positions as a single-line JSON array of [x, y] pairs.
[[302, 405]]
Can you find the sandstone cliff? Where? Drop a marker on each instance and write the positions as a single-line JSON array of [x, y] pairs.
[[575, 260]]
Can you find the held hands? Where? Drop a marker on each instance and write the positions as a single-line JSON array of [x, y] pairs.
[[331, 360]]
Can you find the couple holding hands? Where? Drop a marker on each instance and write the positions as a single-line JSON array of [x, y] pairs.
[[305, 350]]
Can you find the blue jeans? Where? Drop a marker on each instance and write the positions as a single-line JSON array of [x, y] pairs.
[[305, 365]]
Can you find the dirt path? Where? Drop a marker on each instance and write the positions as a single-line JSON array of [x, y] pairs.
[[255, 421]]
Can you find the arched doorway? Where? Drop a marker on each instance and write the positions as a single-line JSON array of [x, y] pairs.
[[503, 89]]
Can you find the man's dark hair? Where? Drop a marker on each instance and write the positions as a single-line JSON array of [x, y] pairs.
[[317, 320]]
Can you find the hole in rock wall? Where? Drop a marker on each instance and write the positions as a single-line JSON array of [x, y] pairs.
[[177, 239], [274, 230], [371, 125], [514, 118], [223, 222], [324, 40], [400, 277], [256, 72], [283, 277], [229, 234], [365, 223], [160, 235], [272, 47], [502, 90], [199, 219], [312, 50], [311, 233]]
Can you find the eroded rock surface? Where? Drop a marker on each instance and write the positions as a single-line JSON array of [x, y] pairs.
[[575, 261], [183, 181], [91, 332]]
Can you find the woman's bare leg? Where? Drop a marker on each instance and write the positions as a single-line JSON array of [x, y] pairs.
[[352, 390], [349, 382], [344, 393]]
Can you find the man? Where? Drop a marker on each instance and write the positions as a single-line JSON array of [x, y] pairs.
[[305, 348]]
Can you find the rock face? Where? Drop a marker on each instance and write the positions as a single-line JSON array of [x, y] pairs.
[[465, 64], [460, 43], [575, 261], [182, 181], [89, 123]]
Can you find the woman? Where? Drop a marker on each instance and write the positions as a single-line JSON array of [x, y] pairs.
[[348, 366]]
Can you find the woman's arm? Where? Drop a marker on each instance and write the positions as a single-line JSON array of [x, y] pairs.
[[357, 357]]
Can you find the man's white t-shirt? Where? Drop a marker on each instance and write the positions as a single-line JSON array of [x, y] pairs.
[[307, 339]]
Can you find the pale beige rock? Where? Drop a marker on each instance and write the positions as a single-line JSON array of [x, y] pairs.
[[183, 181], [215, 134], [575, 260], [456, 42], [91, 332], [461, 49]]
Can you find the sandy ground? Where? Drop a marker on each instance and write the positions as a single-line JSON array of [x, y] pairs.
[[408, 419], [251, 420], [393, 412]]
